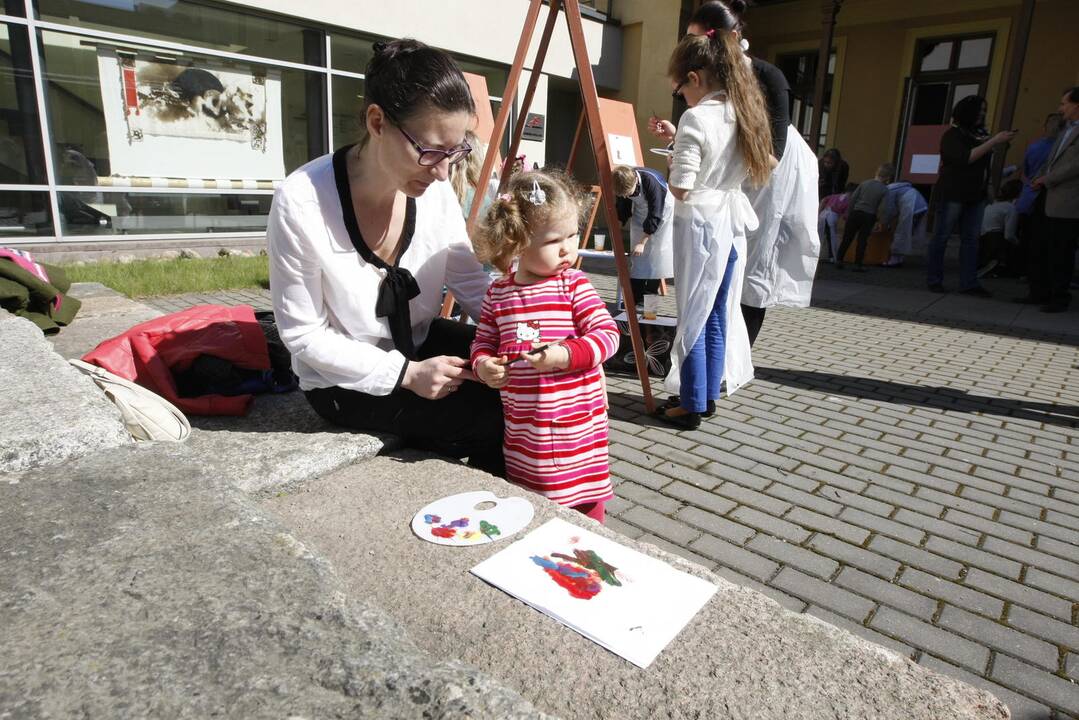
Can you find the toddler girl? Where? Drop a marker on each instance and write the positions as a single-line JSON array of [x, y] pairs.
[[542, 336]]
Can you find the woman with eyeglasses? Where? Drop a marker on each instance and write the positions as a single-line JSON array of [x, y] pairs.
[[361, 244]]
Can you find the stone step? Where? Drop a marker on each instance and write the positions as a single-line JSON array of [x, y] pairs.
[[743, 656], [138, 582], [49, 411]]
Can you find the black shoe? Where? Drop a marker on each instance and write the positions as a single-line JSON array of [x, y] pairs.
[[1054, 308], [937, 288], [688, 421], [674, 401], [976, 291], [859, 268]]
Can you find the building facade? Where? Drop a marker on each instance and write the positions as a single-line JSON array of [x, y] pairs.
[[896, 69], [171, 121]]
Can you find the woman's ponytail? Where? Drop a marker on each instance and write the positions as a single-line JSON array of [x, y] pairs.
[[735, 74]]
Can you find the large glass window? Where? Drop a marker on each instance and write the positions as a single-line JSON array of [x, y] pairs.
[[350, 54], [127, 111], [347, 103], [21, 159], [800, 69], [142, 213], [24, 214], [192, 24]]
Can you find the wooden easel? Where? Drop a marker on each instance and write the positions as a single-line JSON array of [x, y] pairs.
[[590, 99]]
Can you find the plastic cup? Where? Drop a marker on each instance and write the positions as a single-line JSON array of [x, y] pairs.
[[651, 307], [599, 240]]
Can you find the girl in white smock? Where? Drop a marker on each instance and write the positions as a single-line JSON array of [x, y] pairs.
[[722, 140]]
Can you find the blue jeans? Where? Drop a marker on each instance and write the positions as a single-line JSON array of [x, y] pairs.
[[702, 370], [969, 218]]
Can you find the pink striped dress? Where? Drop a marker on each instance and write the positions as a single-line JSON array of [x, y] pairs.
[[556, 423]]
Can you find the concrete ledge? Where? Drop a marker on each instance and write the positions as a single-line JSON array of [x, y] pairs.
[[743, 656], [137, 585], [281, 442], [49, 411]]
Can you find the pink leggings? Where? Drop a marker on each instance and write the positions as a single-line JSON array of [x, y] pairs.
[[597, 511]]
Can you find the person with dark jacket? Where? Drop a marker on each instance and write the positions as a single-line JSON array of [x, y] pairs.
[[865, 207], [1059, 183], [832, 175], [642, 197], [965, 153]]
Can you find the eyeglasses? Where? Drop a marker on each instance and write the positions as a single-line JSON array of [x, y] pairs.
[[429, 157], [678, 90]]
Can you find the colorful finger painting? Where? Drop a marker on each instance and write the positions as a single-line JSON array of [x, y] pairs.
[[628, 602], [459, 520]]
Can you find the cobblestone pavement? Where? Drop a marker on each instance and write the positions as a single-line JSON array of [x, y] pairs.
[[914, 483]]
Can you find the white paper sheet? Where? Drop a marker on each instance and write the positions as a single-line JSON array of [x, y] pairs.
[[629, 603], [924, 164], [622, 150]]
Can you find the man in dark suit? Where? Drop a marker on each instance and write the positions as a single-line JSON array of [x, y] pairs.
[[1060, 180]]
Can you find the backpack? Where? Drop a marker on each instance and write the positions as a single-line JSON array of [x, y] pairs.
[[147, 415]]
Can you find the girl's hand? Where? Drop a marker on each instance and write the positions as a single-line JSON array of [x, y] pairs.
[[493, 371], [554, 358], [436, 377], [664, 129]]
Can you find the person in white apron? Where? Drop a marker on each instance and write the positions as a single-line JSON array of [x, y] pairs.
[[644, 199], [785, 249], [718, 145], [906, 210]]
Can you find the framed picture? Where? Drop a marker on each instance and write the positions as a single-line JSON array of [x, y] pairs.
[[187, 118]]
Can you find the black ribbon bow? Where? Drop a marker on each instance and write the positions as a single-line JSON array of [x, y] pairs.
[[399, 286]]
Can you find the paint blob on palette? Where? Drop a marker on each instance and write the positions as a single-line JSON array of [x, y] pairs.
[[472, 518]]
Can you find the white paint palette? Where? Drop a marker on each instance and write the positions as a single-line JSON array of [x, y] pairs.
[[472, 518]]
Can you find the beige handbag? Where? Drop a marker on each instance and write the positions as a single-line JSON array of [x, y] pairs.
[[147, 415]]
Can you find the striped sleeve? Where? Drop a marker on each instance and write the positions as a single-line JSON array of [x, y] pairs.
[[597, 333], [485, 344]]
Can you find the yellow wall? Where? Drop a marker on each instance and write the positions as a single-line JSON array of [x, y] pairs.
[[649, 34], [880, 36]]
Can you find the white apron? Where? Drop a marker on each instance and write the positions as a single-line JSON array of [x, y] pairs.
[[706, 226], [784, 251], [657, 260]]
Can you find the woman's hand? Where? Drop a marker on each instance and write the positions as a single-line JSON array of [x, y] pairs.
[[664, 129], [554, 358], [638, 249], [436, 377], [493, 372], [1004, 136]]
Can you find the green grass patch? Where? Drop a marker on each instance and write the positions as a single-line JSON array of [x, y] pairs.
[[145, 278]]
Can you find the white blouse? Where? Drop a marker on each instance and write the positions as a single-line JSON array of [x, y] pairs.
[[324, 293], [706, 150]]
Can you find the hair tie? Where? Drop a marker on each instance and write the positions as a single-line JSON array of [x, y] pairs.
[[537, 196], [711, 34], [506, 197]]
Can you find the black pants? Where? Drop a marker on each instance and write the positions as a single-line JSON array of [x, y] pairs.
[[642, 287], [466, 423], [754, 318], [860, 224], [1063, 237], [1038, 250]]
